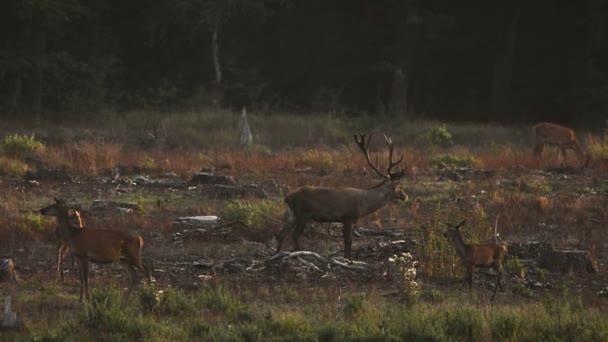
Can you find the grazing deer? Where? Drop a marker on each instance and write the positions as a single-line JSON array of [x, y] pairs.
[[563, 138], [97, 245], [344, 205], [473, 255]]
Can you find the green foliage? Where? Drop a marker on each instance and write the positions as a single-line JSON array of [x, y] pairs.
[[108, 317], [451, 160], [432, 295], [174, 302], [521, 290], [219, 300], [13, 168], [507, 326], [466, 323], [31, 224], [140, 208], [354, 306], [148, 163], [288, 323], [319, 159], [15, 145], [255, 214], [437, 136], [149, 298]]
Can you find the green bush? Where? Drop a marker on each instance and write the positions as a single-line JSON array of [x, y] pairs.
[[12, 168], [465, 324], [255, 214], [438, 136], [451, 160], [354, 306], [109, 318], [16, 145], [219, 300], [507, 326], [174, 302]]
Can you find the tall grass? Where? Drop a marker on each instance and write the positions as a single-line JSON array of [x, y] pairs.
[[216, 313]]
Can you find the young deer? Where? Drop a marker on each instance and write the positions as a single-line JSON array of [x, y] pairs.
[[344, 205], [473, 255], [64, 245], [97, 245], [546, 133]]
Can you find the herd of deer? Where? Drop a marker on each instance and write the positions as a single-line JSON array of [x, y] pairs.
[[322, 204]]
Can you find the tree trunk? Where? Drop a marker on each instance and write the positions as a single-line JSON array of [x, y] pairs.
[[503, 72], [399, 89]]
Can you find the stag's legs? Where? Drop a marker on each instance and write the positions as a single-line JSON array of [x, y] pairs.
[[538, 150], [347, 231], [290, 221], [295, 235]]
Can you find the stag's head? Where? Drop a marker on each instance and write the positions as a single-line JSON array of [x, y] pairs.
[[391, 178]]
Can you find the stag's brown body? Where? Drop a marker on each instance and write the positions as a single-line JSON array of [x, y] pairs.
[[98, 245], [563, 138], [344, 205], [477, 255]]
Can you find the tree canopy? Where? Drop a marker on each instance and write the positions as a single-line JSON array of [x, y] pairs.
[[509, 61]]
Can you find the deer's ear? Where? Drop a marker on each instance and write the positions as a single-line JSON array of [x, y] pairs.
[[461, 223]]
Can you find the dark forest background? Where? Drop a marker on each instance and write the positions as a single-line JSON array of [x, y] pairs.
[[504, 61]]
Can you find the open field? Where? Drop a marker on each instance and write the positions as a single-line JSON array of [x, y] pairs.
[[217, 284]]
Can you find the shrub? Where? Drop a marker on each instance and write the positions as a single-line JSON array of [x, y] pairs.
[[438, 136], [174, 302], [319, 159], [252, 213], [451, 160], [507, 326], [12, 168], [464, 324], [16, 145], [220, 300], [107, 317], [354, 306]]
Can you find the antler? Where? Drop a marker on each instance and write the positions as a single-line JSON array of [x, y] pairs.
[[364, 146]]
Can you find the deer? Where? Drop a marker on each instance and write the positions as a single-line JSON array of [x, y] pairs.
[[344, 205], [563, 138], [98, 245], [64, 246], [477, 255]]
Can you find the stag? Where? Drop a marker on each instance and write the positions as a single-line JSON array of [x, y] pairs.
[[344, 205], [97, 245], [563, 138], [474, 255]]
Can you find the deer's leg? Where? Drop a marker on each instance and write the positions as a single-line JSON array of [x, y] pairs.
[[289, 223], [84, 278], [470, 271], [295, 235], [60, 253], [563, 150], [538, 150], [498, 277], [132, 277], [347, 231]]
